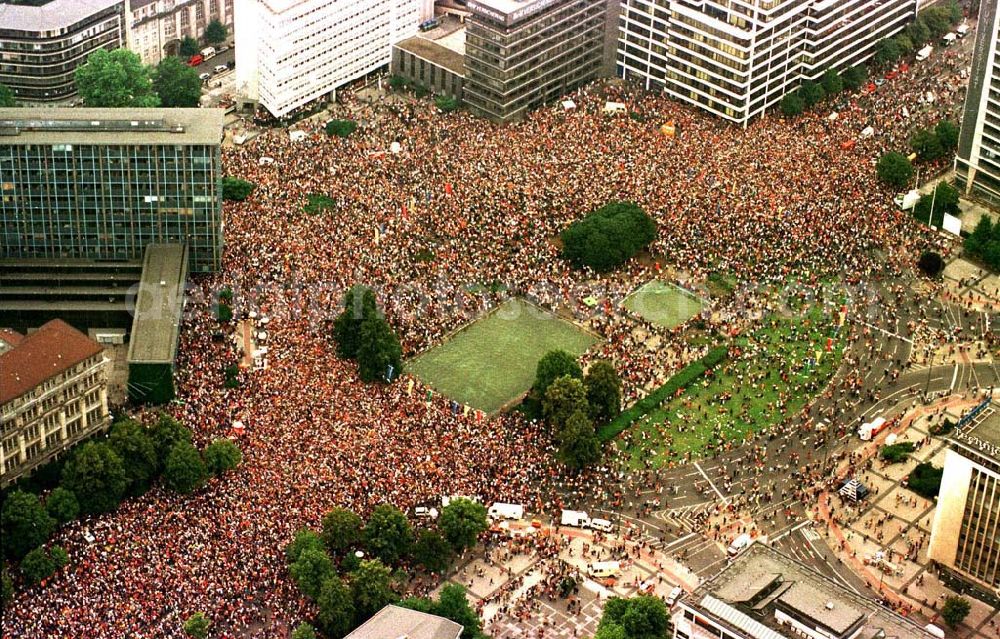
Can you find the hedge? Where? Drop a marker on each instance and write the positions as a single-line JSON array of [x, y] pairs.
[[682, 379]]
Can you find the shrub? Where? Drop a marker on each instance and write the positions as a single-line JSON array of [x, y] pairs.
[[341, 128], [235, 189], [681, 380], [931, 264], [446, 103], [792, 104], [925, 480], [811, 93], [608, 237], [896, 452]]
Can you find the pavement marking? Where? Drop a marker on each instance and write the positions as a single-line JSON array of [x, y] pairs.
[[953, 378], [724, 499], [791, 529], [884, 331], [679, 541]]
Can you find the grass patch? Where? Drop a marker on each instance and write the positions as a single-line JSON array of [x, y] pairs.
[[317, 203], [663, 304], [766, 381], [492, 361]]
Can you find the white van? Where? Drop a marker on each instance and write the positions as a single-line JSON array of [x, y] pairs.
[[962, 30], [601, 524], [948, 39], [208, 52], [576, 518], [506, 511], [925, 53], [739, 544], [674, 595], [603, 569]]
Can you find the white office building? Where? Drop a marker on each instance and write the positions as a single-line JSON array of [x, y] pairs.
[[977, 164], [291, 52], [737, 58]]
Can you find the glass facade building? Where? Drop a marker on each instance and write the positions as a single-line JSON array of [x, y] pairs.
[[41, 46], [522, 54], [102, 188]]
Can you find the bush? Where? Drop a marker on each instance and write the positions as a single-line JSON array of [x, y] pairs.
[[926, 145], [931, 264], [792, 104], [947, 134], [447, 103], [341, 128], [984, 242], [608, 237], [397, 82], [895, 170], [37, 566], [925, 480], [896, 452], [887, 52], [679, 381], [235, 189]]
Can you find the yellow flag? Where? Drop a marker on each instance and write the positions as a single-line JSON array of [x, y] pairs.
[[409, 388]]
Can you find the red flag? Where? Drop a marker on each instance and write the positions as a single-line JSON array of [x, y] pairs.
[[447, 188], [829, 343]]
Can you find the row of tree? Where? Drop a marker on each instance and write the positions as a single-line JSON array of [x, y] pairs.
[[215, 33], [329, 567], [930, 26], [608, 237], [362, 333], [831, 83], [98, 475], [118, 79]]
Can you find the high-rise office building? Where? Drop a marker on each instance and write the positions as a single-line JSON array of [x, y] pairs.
[[737, 59], [520, 54], [53, 393], [977, 164], [156, 27], [42, 43], [102, 184], [965, 536], [292, 52]]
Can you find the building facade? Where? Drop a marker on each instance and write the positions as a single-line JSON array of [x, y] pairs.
[[736, 59], [54, 393], [101, 184], [156, 27], [977, 163], [41, 46], [965, 536], [520, 54], [292, 52]]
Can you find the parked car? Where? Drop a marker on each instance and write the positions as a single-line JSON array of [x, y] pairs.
[[204, 76], [220, 68]]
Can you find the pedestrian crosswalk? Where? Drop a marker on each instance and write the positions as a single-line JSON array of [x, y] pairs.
[[686, 518]]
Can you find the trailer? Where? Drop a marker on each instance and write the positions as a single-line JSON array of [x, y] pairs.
[[576, 518], [506, 511], [869, 430]]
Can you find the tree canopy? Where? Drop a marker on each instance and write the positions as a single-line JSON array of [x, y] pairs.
[[132, 443], [115, 79], [221, 456], [895, 170], [553, 365], [855, 77], [235, 189], [641, 617], [579, 446], [96, 476], [371, 589], [215, 32], [62, 506], [25, 524], [185, 470], [931, 263], [565, 396], [388, 534], [432, 551], [336, 608], [363, 333], [6, 96], [831, 82], [604, 391], [955, 610], [189, 47], [926, 144], [984, 242], [177, 84], [812, 93], [792, 104], [310, 570], [608, 237], [462, 521], [341, 529]]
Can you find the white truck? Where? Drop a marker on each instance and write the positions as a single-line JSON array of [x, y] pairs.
[[576, 518], [925, 53], [208, 52], [506, 511], [869, 430], [906, 201]]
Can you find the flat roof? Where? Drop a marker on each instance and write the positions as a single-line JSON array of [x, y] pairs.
[[52, 16], [44, 125], [435, 53], [983, 436], [762, 581], [510, 11], [158, 305]]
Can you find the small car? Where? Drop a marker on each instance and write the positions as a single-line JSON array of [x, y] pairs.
[[220, 68], [204, 76]]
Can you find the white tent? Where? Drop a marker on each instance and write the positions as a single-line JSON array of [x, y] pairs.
[[568, 105], [296, 136], [614, 107]]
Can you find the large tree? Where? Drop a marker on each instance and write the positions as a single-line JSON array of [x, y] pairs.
[[608, 236], [552, 366], [855, 77], [166, 433], [221, 456], [604, 391], [177, 84], [812, 93], [792, 104], [215, 32], [388, 534], [37, 566], [359, 304], [96, 476], [115, 79], [579, 446], [642, 617], [380, 355], [955, 610], [947, 134], [432, 551], [24, 523], [926, 145], [894, 169], [462, 521], [887, 52], [341, 529], [336, 608], [452, 604], [304, 539], [311, 570], [185, 470], [133, 444], [831, 82], [189, 47], [62, 506], [565, 396], [371, 589]]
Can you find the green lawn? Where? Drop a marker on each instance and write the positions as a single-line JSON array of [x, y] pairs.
[[744, 396], [663, 304], [492, 361]]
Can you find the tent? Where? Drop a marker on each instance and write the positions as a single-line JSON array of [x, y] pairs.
[[568, 105], [296, 136], [613, 108]]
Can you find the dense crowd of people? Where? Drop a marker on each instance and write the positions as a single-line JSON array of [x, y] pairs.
[[465, 214]]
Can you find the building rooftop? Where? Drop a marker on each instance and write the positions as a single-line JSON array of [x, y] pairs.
[[9, 338], [110, 126], [750, 593], [158, 306], [52, 349], [509, 11], [983, 435], [394, 622], [434, 52], [51, 16]]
